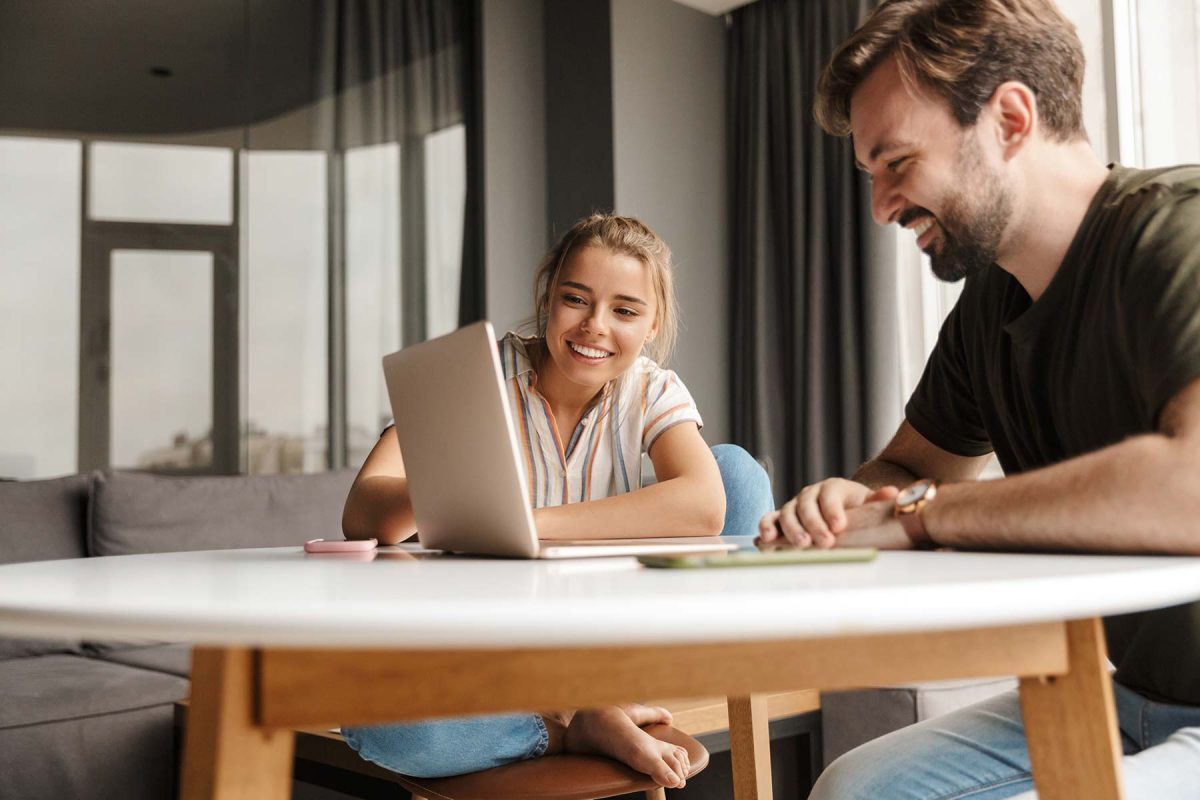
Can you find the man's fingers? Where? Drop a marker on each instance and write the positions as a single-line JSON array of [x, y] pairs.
[[882, 493], [832, 502], [768, 530], [791, 525], [811, 518]]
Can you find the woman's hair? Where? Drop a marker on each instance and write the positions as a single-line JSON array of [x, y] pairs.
[[962, 50], [624, 236]]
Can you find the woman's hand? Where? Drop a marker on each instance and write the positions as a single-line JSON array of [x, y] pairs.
[[822, 512]]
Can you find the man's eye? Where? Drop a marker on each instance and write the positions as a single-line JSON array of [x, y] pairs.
[[895, 163]]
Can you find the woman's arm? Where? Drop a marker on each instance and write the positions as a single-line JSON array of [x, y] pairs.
[[688, 500], [378, 504]]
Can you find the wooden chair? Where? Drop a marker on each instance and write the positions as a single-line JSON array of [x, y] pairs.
[[324, 759], [561, 777]]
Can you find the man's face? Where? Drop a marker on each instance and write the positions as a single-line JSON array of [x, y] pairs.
[[928, 174]]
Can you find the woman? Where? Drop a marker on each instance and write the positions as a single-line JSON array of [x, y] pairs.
[[587, 404]]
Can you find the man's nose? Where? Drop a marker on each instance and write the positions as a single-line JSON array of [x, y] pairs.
[[886, 202]]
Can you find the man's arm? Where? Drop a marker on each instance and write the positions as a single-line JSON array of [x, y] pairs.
[[910, 456], [1139, 496], [823, 511]]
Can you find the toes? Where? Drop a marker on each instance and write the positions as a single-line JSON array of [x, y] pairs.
[[665, 775], [678, 769], [681, 755]]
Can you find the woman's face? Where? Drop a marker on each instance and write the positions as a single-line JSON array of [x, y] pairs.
[[602, 312]]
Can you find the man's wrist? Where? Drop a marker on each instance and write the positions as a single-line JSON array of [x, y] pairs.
[[909, 509]]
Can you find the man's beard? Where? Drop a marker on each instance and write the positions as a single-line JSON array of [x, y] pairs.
[[973, 224]]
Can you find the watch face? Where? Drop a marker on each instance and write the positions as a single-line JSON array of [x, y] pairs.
[[912, 494]]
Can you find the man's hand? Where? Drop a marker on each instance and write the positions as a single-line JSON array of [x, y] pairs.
[[822, 513]]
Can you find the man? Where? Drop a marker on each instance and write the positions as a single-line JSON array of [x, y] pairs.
[[1073, 354]]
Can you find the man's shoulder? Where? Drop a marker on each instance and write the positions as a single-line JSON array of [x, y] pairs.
[[1153, 188], [1156, 216], [1181, 177]]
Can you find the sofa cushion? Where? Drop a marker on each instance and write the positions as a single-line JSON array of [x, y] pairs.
[[27, 648], [73, 727], [41, 521], [173, 659], [139, 513], [61, 687]]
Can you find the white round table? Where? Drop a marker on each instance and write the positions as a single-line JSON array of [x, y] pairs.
[[288, 639]]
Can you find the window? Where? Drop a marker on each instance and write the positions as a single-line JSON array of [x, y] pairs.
[[204, 257], [1156, 77]]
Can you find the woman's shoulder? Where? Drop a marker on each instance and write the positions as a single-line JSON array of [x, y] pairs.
[[647, 380], [515, 354]]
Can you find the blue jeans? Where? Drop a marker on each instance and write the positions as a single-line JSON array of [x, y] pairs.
[[437, 748], [979, 753], [747, 490]]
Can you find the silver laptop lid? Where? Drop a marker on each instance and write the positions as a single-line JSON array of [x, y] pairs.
[[456, 434]]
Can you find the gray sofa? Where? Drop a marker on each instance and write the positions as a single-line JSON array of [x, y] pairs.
[[83, 719]]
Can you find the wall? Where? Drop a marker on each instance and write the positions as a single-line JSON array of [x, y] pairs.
[[669, 144], [628, 116]]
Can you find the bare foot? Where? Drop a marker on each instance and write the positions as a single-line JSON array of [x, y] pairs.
[[615, 732]]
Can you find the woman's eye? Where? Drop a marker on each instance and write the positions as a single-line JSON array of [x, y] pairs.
[[573, 298], [626, 312]]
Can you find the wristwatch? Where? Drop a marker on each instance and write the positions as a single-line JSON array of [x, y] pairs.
[[909, 504]]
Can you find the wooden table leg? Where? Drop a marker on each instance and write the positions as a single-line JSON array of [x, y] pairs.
[[1071, 723], [750, 747], [226, 755]]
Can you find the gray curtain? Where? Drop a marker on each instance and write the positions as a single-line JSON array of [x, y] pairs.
[[811, 364], [396, 71]]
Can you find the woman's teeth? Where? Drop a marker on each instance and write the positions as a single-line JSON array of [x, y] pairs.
[[588, 352]]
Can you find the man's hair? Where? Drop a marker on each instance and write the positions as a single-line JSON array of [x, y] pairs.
[[961, 50], [623, 236]]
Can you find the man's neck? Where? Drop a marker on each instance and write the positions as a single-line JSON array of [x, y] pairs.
[[1059, 183]]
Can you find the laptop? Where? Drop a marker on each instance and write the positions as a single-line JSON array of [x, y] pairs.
[[468, 489]]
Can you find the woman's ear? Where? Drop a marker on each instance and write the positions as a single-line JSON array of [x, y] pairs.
[[653, 332]]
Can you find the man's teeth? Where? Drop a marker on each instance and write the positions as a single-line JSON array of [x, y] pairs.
[[920, 228], [589, 352]]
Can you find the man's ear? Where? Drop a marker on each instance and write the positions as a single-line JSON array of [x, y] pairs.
[[1013, 106]]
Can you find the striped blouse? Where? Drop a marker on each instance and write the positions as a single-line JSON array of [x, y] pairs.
[[603, 456]]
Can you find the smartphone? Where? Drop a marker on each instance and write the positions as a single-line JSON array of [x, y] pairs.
[[761, 558], [339, 545]]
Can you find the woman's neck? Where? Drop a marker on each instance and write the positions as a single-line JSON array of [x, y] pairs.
[[565, 397]]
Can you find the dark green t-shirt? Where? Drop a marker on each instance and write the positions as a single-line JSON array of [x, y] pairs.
[[1115, 336]]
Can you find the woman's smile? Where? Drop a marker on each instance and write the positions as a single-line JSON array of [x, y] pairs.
[[588, 354]]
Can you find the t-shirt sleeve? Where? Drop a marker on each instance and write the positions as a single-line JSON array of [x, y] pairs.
[[668, 403], [1160, 301], [943, 407]]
